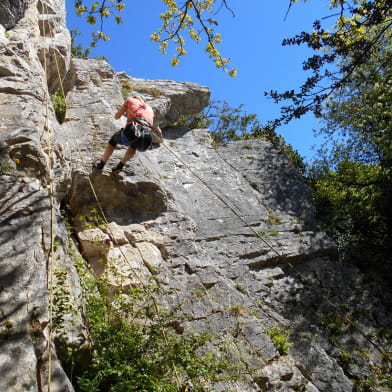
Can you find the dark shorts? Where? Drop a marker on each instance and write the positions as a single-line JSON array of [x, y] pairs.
[[127, 137]]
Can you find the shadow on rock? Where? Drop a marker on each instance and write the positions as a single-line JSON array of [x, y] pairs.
[[121, 200]]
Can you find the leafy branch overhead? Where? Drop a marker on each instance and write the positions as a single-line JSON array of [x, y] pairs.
[[97, 12], [180, 17], [360, 28], [193, 19]]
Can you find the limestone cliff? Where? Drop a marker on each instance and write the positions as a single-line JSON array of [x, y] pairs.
[[229, 228]]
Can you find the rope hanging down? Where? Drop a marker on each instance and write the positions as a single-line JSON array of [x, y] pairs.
[[50, 277]]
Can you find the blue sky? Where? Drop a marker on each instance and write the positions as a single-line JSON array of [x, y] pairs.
[[252, 39]]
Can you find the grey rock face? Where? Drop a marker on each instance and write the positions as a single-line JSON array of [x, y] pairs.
[[11, 11], [55, 42], [229, 229], [27, 261]]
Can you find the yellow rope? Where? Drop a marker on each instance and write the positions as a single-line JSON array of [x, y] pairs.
[[52, 222]]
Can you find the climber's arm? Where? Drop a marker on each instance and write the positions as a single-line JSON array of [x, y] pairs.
[[121, 111]]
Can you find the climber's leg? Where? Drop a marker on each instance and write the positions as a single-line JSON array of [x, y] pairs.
[[115, 139], [130, 153]]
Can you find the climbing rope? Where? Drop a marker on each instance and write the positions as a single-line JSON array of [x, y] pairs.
[[280, 256], [52, 222]]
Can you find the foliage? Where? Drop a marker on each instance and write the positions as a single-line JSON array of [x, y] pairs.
[[232, 123], [360, 26], [240, 287], [5, 169], [228, 124], [268, 233], [194, 121], [180, 17], [60, 105], [239, 310], [352, 203], [273, 219], [334, 323], [62, 300], [352, 179], [95, 12], [137, 347], [6, 330], [280, 339], [77, 51], [360, 115]]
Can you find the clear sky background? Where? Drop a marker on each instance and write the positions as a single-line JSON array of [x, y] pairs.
[[252, 39]]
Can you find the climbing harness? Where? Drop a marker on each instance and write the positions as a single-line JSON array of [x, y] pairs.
[[141, 121], [136, 135]]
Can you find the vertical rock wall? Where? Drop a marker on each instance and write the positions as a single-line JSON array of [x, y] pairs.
[[26, 117], [229, 229]]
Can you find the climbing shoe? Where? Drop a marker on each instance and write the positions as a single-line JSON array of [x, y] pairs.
[[118, 168], [99, 165]]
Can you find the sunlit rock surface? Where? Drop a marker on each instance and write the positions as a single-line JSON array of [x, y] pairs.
[[228, 228]]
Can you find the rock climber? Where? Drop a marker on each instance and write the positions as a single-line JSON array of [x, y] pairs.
[[136, 135]]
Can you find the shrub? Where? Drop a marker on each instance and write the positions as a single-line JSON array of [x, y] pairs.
[[139, 347], [280, 339], [60, 105]]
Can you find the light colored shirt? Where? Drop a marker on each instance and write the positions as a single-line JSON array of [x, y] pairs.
[[137, 109]]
